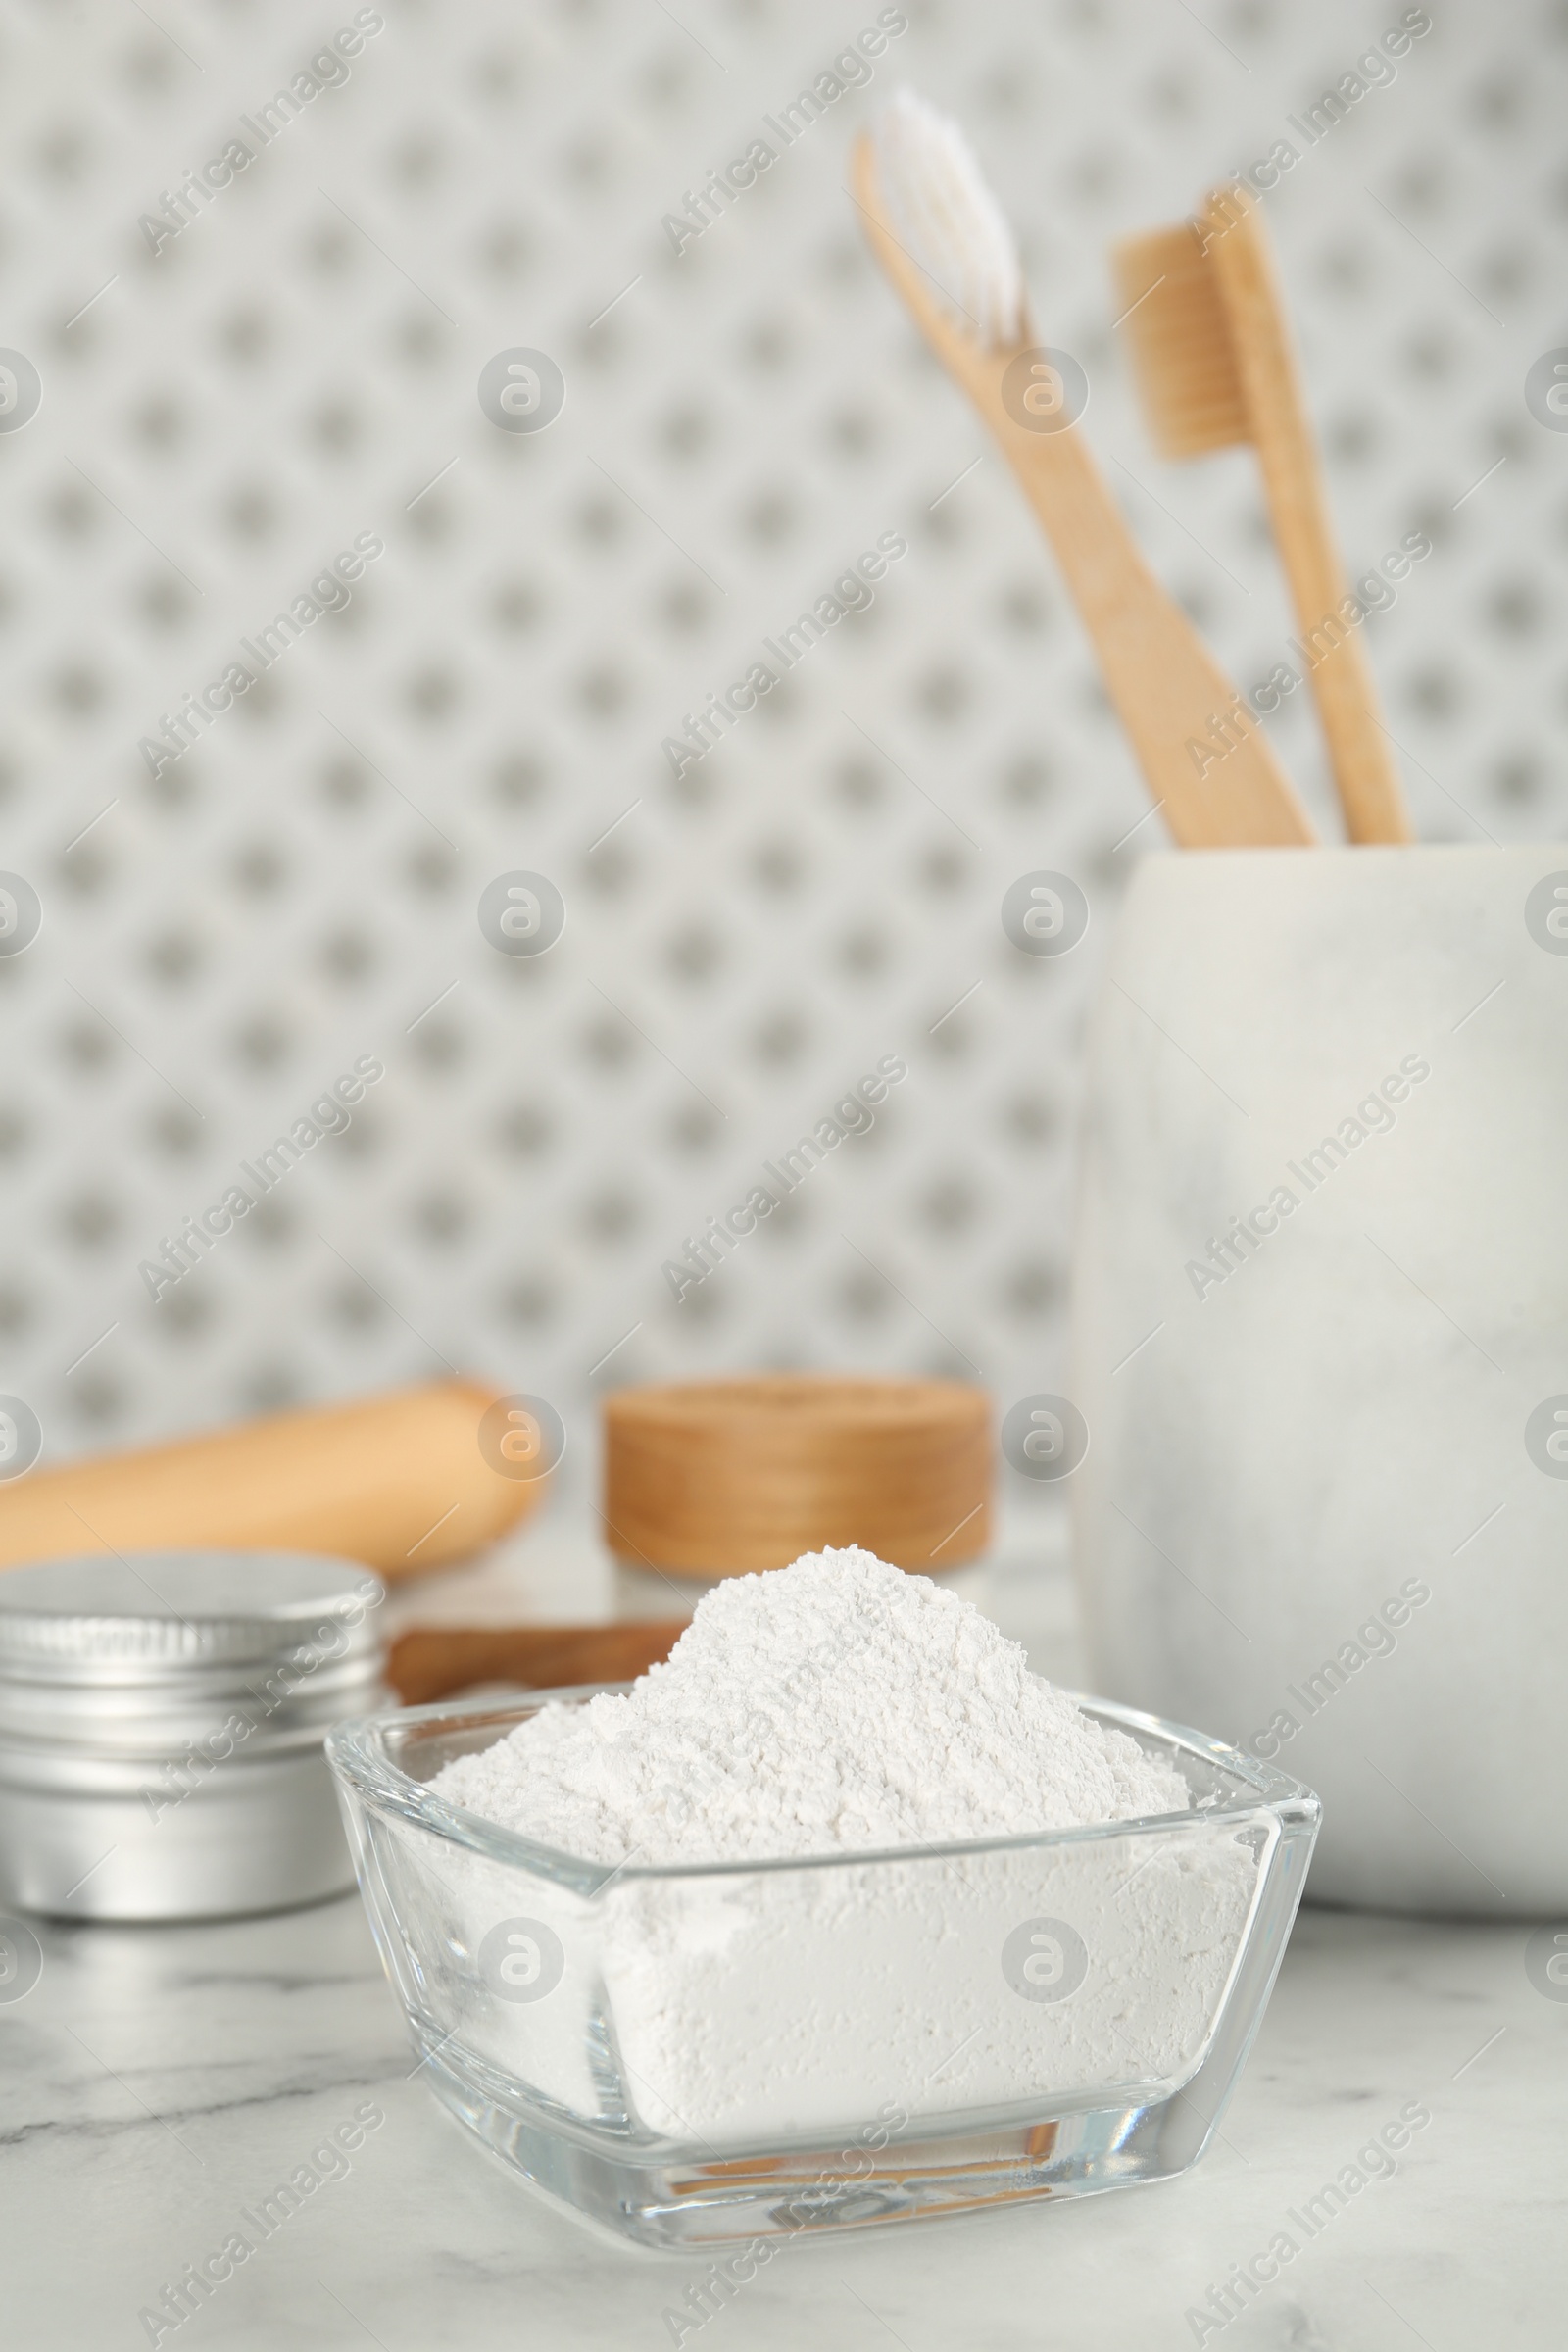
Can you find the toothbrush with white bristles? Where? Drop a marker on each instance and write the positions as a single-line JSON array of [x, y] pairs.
[[948, 250]]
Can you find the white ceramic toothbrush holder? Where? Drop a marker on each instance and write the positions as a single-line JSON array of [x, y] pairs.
[[1321, 1345]]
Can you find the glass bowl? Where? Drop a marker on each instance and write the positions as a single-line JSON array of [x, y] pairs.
[[706, 2055]]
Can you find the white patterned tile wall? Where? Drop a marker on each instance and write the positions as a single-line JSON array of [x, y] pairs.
[[298, 369]]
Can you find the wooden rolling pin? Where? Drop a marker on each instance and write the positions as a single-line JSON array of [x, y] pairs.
[[430, 1661], [397, 1481]]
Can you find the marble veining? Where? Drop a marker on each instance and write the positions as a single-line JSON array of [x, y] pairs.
[[157, 2083]]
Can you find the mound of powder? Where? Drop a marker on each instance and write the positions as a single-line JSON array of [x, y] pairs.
[[836, 1704]]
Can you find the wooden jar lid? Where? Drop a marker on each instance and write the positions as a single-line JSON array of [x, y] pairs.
[[719, 1477]]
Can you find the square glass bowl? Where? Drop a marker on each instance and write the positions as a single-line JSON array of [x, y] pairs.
[[708, 2055]]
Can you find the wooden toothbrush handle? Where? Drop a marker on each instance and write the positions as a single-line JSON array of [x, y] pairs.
[[1364, 774], [1205, 757]]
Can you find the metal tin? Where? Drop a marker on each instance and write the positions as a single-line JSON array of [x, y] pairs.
[[162, 1719]]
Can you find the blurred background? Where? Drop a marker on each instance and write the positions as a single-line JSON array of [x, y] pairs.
[[300, 366]]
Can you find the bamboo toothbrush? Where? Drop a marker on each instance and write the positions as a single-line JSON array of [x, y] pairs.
[[1214, 365], [941, 238]]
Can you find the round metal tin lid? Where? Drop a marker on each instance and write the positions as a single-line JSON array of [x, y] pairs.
[[153, 1612]]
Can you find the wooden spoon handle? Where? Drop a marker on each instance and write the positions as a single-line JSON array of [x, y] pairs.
[[430, 1661]]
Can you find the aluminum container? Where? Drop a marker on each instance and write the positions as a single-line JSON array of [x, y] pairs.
[[162, 1720]]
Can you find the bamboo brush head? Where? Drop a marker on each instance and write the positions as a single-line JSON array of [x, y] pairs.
[[1184, 359]]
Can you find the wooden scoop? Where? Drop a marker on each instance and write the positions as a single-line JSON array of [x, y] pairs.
[[430, 1661]]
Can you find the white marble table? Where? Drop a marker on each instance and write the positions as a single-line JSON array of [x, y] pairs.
[[155, 2082]]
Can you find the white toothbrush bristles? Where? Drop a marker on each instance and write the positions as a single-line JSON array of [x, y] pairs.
[[942, 212]]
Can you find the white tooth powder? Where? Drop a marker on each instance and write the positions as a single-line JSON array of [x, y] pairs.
[[834, 1706]]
